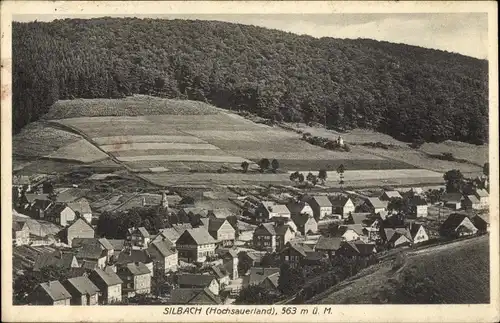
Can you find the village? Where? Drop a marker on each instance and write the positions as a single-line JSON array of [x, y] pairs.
[[255, 244]]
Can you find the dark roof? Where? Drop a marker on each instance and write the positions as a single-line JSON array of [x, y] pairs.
[[19, 226], [392, 234], [83, 285], [164, 247], [187, 295], [417, 200], [265, 229], [128, 256], [199, 235], [117, 244], [215, 224], [219, 271], [338, 200], [473, 199], [101, 242], [55, 290], [295, 207], [109, 277], [258, 274], [90, 251], [376, 202], [56, 258], [414, 229], [363, 249], [479, 222], [359, 218], [273, 279], [301, 219], [322, 200], [452, 197], [302, 249], [223, 252], [314, 255], [281, 229], [392, 194], [81, 206], [137, 268], [326, 243], [195, 280], [453, 221]]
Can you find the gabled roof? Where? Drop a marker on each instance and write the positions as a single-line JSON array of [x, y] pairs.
[[453, 221], [452, 197], [133, 255], [417, 200], [195, 280], [199, 235], [358, 228], [55, 290], [359, 218], [221, 213], [302, 249], [265, 229], [414, 228], [363, 249], [328, 243], [108, 276], [187, 295], [56, 258], [227, 252], [83, 285], [339, 200], [219, 271], [273, 279], [80, 222], [376, 202], [258, 274], [32, 197], [392, 233], [143, 232], [393, 194], [281, 229], [117, 244], [479, 222], [137, 268], [301, 219], [295, 207], [81, 206], [215, 224], [473, 199], [102, 242], [482, 192], [69, 194], [90, 251], [19, 226], [322, 200], [280, 209], [164, 247], [170, 234]]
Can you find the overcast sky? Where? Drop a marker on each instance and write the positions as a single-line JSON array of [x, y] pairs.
[[464, 33]]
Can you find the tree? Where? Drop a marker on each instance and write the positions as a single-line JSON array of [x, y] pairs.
[[275, 165], [294, 176], [434, 196], [254, 295], [301, 178], [454, 180], [322, 175], [486, 169], [340, 171], [395, 205], [264, 164], [23, 285], [290, 279], [244, 166]]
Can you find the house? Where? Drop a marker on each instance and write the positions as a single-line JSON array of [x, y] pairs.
[[396, 237], [109, 283], [270, 283], [298, 208], [356, 249], [342, 205], [138, 238], [358, 218], [321, 206], [164, 255], [118, 245], [221, 274], [283, 235], [259, 274], [191, 213], [82, 290], [171, 234], [374, 205], [389, 195], [59, 213], [471, 202], [136, 278], [264, 237], [457, 225], [143, 256], [296, 254], [50, 293], [220, 213], [195, 245], [102, 243], [190, 296], [418, 207], [452, 200], [199, 281], [268, 210], [57, 258], [305, 224], [82, 208], [222, 231], [349, 232], [20, 233], [252, 258], [484, 198], [77, 229], [91, 256], [230, 261], [328, 245], [418, 233], [481, 225], [416, 191]]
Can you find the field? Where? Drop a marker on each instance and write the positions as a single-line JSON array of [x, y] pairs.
[[79, 151], [460, 271]]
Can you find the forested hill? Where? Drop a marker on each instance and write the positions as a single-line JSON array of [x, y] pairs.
[[408, 92]]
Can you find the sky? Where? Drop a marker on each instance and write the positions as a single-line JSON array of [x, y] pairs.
[[464, 33]]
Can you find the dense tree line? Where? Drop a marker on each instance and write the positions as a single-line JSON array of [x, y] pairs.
[[408, 92]]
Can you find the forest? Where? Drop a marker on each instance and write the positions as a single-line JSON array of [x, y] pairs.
[[408, 92]]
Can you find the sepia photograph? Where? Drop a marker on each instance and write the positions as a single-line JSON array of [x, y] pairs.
[[236, 159]]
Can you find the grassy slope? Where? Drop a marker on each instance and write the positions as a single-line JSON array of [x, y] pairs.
[[460, 271]]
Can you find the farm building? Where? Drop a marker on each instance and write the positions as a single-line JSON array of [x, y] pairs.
[[138, 238], [81, 207], [389, 195], [222, 231], [50, 293], [199, 281], [20, 233], [396, 237], [321, 206], [328, 245], [109, 284], [483, 197], [297, 208], [342, 205], [418, 233], [59, 213], [78, 229], [58, 258], [305, 224], [457, 225], [264, 237], [374, 205], [418, 207], [196, 296], [136, 279], [267, 210], [295, 254], [164, 255], [358, 218], [258, 275], [82, 290], [128, 256], [452, 200], [471, 202], [195, 245]]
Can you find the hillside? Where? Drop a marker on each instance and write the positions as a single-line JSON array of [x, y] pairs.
[[457, 273], [404, 91]]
